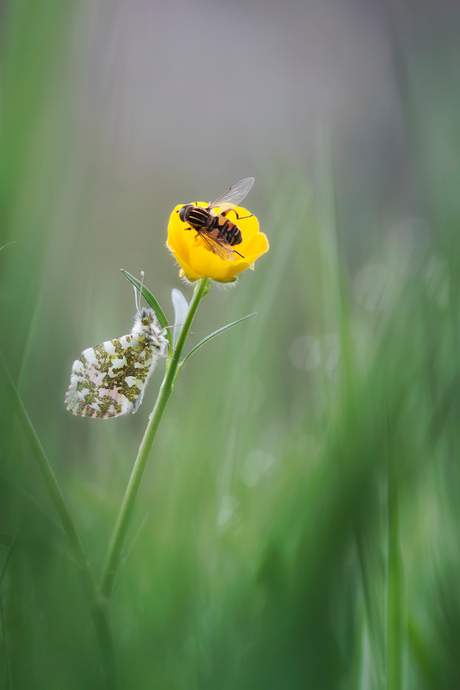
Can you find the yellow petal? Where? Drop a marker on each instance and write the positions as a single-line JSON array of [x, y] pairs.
[[198, 261]]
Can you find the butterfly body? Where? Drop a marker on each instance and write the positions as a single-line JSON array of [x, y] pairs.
[[110, 380]]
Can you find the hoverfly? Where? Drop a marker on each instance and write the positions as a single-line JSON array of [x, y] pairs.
[[218, 232]]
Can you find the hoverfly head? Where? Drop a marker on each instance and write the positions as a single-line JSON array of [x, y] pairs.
[[183, 213]]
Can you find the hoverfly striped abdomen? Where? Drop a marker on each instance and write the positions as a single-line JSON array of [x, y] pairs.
[[227, 229]]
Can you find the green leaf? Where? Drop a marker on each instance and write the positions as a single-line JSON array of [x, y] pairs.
[[8, 556], [180, 312], [213, 335], [7, 539], [7, 245], [39, 546], [9, 683], [151, 301]]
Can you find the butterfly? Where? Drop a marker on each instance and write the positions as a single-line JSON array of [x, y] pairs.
[[110, 380]]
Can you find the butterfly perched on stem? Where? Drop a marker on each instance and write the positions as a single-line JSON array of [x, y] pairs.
[[110, 380]]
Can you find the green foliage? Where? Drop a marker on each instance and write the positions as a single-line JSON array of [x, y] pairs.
[[298, 522], [213, 335], [149, 298]]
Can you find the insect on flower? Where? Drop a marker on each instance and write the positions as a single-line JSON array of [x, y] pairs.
[[110, 380], [218, 232]]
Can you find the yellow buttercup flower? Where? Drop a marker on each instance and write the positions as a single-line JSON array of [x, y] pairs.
[[197, 260]]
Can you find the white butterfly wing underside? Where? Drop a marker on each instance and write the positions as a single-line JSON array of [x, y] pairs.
[[109, 380]]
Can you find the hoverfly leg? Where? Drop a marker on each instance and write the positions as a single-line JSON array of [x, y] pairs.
[[225, 213], [243, 217], [235, 252]]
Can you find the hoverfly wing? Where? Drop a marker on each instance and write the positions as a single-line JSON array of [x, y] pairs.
[[218, 244], [234, 195]]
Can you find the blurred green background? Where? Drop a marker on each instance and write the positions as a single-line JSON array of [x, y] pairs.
[[298, 523]]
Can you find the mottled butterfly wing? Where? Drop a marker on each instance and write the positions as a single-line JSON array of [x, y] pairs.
[[109, 380]]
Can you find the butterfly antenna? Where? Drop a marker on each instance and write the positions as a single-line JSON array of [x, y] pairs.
[[174, 359], [138, 293]]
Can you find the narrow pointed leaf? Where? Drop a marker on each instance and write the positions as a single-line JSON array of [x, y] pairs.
[[6, 652], [7, 245], [8, 556], [47, 473], [213, 335], [150, 299], [180, 312], [9, 683], [32, 506], [7, 539], [30, 545]]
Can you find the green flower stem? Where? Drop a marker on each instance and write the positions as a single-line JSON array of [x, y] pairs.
[[394, 593], [126, 511], [97, 603]]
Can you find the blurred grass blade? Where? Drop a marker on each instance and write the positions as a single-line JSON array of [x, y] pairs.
[[180, 312], [6, 245], [37, 546], [99, 610], [213, 335], [8, 675], [6, 652], [33, 508], [8, 556], [421, 651], [150, 299], [51, 482], [8, 539], [394, 595], [45, 467]]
